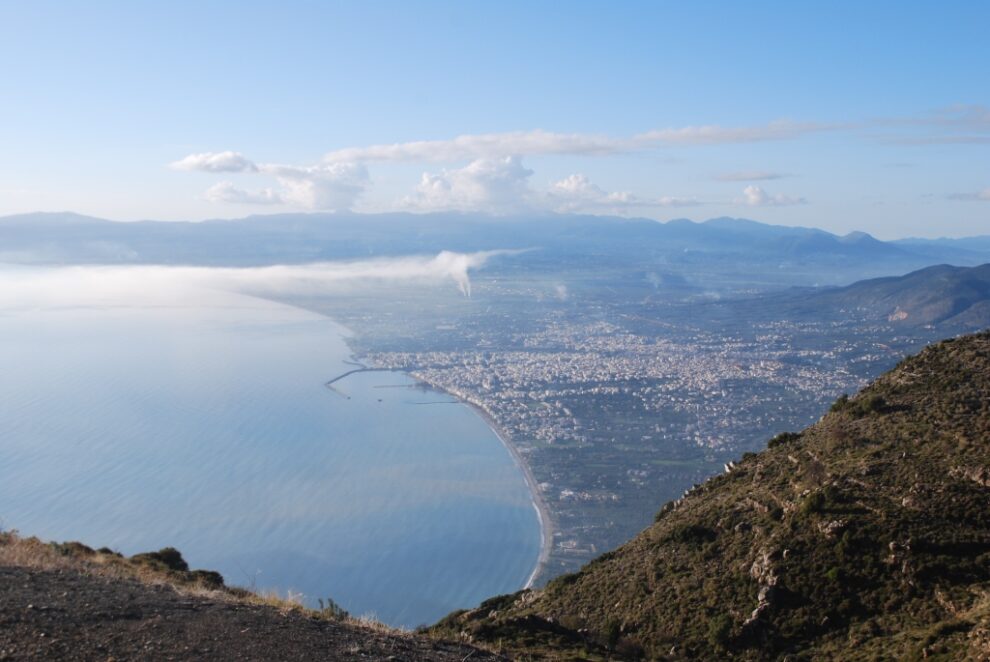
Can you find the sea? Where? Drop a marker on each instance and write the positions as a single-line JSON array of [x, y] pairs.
[[207, 426]]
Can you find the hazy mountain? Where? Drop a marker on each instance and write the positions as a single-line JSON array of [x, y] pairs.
[[773, 255], [940, 296], [866, 536], [963, 248]]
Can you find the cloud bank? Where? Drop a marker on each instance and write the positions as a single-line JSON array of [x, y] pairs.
[[35, 288]]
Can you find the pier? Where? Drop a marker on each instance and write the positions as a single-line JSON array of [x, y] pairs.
[[363, 368]]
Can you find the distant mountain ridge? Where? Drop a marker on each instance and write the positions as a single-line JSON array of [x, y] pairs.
[[807, 255], [864, 537], [941, 296]]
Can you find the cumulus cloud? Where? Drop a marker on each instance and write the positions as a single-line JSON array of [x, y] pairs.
[[228, 192], [748, 176], [496, 185], [333, 186], [215, 162], [503, 186], [324, 186], [982, 196], [754, 196], [578, 193], [494, 178]]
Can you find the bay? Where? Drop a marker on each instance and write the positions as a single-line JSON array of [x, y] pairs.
[[209, 428]]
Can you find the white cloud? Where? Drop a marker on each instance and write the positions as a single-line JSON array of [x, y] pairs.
[[228, 192], [959, 124], [539, 142], [717, 135], [494, 179], [748, 176], [484, 146], [215, 162], [123, 285], [502, 186], [495, 185], [332, 186], [673, 201], [754, 196], [578, 193], [983, 196]]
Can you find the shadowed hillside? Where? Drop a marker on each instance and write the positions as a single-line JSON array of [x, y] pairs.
[[942, 295], [866, 536]]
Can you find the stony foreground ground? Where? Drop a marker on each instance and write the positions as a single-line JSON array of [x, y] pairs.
[[62, 614]]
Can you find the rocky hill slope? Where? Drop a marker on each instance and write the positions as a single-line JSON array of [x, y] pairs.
[[866, 536]]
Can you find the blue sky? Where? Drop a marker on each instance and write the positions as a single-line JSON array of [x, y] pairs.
[[871, 116]]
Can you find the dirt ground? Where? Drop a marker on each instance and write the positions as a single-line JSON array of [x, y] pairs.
[[61, 614]]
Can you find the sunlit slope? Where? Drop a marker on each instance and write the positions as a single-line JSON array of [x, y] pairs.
[[867, 536]]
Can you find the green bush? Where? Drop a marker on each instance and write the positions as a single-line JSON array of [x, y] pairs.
[[169, 557], [784, 438], [841, 404], [719, 631]]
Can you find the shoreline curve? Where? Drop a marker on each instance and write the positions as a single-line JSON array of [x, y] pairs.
[[536, 497]]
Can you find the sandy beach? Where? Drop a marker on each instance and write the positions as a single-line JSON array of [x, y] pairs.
[[542, 512], [539, 505]]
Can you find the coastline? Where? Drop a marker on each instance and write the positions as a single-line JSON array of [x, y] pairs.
[[536, 497], [539, 505], [542, 511]]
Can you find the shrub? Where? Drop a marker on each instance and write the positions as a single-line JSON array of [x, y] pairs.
[[612, 633], [813, 503], [719, 631], [784, 438], [841, 404], [208, 578], [332, 611], [691, 534], [169, 557]]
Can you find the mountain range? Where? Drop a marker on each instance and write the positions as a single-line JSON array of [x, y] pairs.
[[791, 255]]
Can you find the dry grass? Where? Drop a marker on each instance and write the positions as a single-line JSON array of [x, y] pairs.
[[32, 552]]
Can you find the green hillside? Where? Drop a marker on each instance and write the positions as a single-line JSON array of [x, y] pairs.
[[867, 536]]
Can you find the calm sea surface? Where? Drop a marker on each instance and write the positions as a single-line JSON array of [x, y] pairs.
[[209, 429]]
